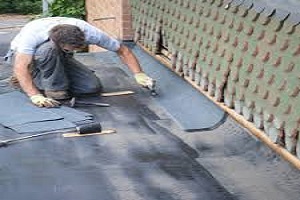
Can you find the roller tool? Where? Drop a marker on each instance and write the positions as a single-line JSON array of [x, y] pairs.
[[81, 130]]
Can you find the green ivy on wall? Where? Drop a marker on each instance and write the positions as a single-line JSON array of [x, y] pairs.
[[68, 8]]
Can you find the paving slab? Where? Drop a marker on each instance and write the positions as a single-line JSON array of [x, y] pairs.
[[9, 27]]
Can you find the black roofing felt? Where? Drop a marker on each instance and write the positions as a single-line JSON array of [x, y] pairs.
[[143, 160], [18, 113], [188, 107]]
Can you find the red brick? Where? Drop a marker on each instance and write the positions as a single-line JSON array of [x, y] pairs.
[[120, 27]]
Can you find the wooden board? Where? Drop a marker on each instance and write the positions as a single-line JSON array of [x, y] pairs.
[[109, 94], [103, 132]]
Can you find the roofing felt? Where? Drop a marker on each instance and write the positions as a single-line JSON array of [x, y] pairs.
[[141, 161], [147, 159], [188, 107]]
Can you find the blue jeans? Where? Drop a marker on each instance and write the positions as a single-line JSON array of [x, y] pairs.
[[54, 70]]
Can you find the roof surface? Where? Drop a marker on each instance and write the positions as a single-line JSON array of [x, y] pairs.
[[148, 158]]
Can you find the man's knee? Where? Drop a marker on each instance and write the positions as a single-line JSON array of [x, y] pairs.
[[93, 86], [88, 87]]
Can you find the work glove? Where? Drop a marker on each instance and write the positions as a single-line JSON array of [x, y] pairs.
[[144, 80], [41, 101]]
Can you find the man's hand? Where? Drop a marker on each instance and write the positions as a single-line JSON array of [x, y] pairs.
[[144, 80], [41, 101]]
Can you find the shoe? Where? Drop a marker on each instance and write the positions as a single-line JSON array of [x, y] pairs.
[[57, 95]]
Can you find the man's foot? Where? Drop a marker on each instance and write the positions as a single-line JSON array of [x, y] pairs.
[[57, 95]]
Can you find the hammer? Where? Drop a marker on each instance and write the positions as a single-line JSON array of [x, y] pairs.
[[151, 85], [82, 129], [73, 102]]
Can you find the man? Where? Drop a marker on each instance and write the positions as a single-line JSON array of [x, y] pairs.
[[44, 65]]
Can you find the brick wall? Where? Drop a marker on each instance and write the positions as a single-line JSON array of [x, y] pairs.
[[126, 31], [111, 16]]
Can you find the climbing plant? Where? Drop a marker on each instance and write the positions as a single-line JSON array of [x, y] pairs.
[[21, 6], [68, 8]]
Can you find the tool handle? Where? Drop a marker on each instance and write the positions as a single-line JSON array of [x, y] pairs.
[[83, 129], [101, 104], [27, 137], [92, 103]]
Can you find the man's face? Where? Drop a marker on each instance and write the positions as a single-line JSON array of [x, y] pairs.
[[68, 48]]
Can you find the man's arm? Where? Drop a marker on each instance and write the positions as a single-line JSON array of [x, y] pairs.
[[22, 73], [131, 61]]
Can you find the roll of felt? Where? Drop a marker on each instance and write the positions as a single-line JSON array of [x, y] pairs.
[[89, 128]]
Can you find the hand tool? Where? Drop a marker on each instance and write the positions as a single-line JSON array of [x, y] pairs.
[[82, 129], [151, 85], [74, 102]]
